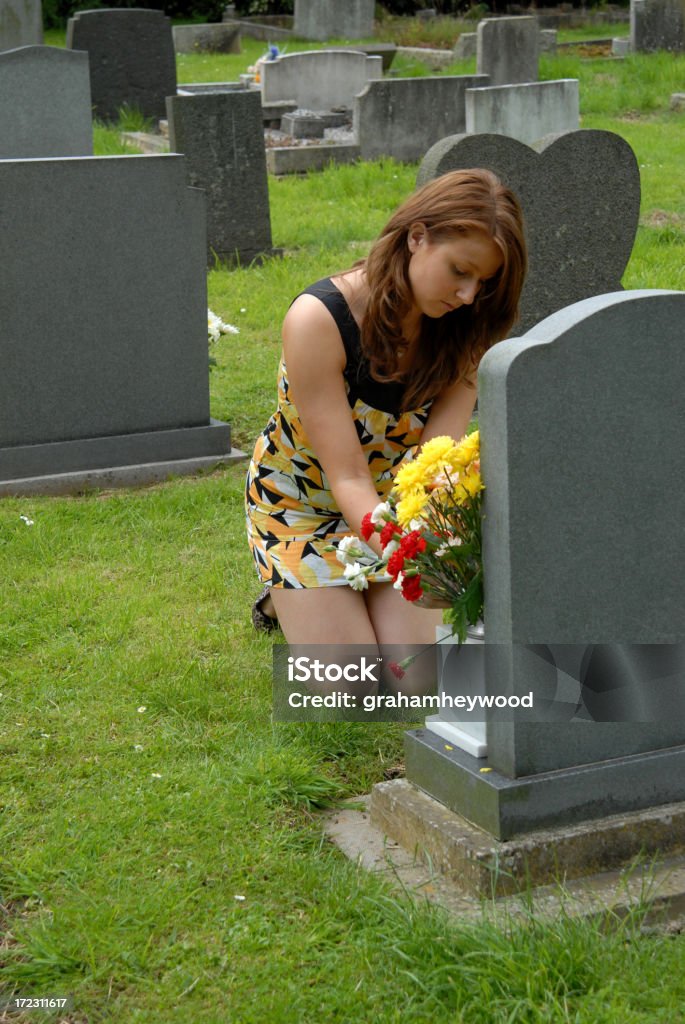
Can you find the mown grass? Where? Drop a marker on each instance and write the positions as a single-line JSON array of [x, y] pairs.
[[143, 786]]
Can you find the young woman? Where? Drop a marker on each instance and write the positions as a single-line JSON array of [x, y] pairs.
[[376, 360]]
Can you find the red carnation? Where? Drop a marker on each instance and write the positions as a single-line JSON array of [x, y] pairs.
[[411, 588], [388, 532], [412, 544], [368, 527], [396, 670], [395, 564]]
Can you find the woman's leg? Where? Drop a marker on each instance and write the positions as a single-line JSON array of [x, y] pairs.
[[323, 615], [402, 629]]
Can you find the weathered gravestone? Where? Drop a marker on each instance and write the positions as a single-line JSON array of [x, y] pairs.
[[580, 194], [582, 453], [132, 60], [105, 258], [404, 117], [44, 103], [222, 138], [525, 112], [508, 49], [21, 23], [657, 25], [318, 79], [210, 38], [331, 19]]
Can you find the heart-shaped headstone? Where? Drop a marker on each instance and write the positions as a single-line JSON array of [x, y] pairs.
[[580, 194]]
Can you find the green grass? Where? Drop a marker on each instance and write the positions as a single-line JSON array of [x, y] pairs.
[[126, 834]]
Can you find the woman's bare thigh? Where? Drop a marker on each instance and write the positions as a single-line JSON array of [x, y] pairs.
[[323, 615]]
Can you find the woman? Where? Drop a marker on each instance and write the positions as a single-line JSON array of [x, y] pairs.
[[379, 359]]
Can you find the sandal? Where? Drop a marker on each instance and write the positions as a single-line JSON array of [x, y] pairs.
[[262, 622]]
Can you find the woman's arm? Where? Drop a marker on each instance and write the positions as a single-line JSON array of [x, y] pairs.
[[451, 411], [315, 360]]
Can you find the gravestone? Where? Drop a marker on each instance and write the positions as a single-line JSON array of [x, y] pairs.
[[657, 25], [465, 46], [132, 61], [580, 220], [210, 38], [525, 112], [403, 117], [44, 103], [21, 23], [222, 138], [105, 258], [330, 19], [508, 49], [318, 79], [583, 544]]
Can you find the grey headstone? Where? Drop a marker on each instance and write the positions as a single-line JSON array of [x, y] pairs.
[[526, 112], [107, 256], [581, 428], [210, 38], [132, 60], [44, 103], [331, 19], [21, 23], [620, 46], [548, 40], [465, 46], [221, 135], [657, 25], [403, 117], [508, 49], [318, 79], [580, 194]]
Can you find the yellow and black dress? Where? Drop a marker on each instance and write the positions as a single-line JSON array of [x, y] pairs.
[[292, 515]]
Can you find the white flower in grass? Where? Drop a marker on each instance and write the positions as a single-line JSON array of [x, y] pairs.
[[155, 775], [25, 519], [142, 709], [216, 326], [355, 574], [240, 898]]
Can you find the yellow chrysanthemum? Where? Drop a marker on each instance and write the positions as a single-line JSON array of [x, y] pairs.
[[409, 477], [411, 507], [468, 486], [466, 451]]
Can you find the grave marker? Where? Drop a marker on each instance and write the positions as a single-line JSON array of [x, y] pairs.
[[580, 221], [525, 112], [44, 103], [21, 23], [508, 49], [331, 19], [132, 60], [318, 79], [657, 25]]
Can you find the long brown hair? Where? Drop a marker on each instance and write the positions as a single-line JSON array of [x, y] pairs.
[[450, 347]]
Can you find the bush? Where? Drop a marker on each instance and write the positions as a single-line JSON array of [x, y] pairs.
[[56, 12]]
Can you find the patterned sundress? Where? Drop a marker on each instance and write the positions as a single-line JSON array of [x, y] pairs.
[[291, 513]]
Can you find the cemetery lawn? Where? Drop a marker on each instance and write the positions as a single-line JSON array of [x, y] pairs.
[[161, 850]]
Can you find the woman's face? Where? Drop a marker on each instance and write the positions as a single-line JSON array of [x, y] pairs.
[[449, 274]]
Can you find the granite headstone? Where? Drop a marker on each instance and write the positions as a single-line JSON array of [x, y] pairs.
[[581, 429], [21, 23], [105, 259], [508, 49], [580, 193], [222, 138], [657, 25], [44, 103], [331, 19], [132, 60], [526, 112]]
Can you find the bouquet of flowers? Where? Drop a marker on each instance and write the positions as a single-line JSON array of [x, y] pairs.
[[430, 533]]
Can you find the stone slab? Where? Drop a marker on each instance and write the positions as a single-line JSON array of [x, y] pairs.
[[580, 221], [223, 142], [508, 49], [386, 51], [210, 38], [434, 59], [506, 807], [330, 19], [611, 894], [116, 249], [403, 117], [526, 112], [21, 23], [318, 79], [300, 159], [657, 25], [481, 866], [465, 46], [268, 33], [45, 107], [132, 60]]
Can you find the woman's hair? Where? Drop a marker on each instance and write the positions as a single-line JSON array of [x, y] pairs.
[[451, 346]]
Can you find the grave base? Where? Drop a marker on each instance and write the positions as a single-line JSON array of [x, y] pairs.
[[505, 807], [480, 866], [124, 460], [300, 159]]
